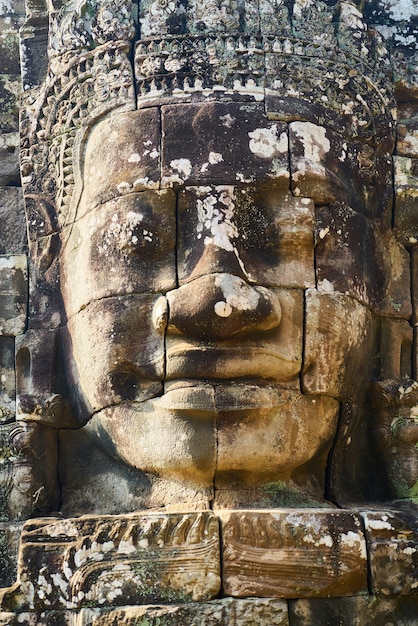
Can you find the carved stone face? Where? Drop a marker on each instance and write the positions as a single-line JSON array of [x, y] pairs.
[[207, 343]]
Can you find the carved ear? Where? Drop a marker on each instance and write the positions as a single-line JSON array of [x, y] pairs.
[[47, 251], [41, 216]]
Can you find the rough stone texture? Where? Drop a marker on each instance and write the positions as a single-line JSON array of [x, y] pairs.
[[12, 217], [27, 487], [331, 313], [227, 612], [113, 561], [293, 553], [377, 274], [392, 543], [360, 611], [13, 288], [9, 544], [7, 380], [215, 277], [219, 143]]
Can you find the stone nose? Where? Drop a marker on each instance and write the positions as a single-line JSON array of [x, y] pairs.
[[219, 306]]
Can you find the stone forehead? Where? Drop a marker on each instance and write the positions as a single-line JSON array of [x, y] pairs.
[[299, 61]]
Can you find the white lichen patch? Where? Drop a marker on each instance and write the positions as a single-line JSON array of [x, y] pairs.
[[227, 120], [215, 213], [382, 524], [314, 140], [65, 529], [215, 157], [139, 184], [237, 293], [267, 143], [300, 5], [222, 309], [355, 541], [325, 285], [134, 158], [183, 167], [125, 234]]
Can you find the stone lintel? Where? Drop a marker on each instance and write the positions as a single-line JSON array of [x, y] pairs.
[[293, 553]]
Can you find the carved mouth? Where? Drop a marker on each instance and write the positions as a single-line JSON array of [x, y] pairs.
[[231, 363], [220, 396]]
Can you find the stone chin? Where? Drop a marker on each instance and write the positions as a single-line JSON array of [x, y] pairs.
[[220, 435]]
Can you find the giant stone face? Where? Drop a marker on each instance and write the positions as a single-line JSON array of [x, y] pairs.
[[211, 343]]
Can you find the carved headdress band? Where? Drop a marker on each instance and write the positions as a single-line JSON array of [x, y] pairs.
[[314, 61]]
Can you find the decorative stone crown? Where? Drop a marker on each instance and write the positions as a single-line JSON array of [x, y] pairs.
[[313, 54]]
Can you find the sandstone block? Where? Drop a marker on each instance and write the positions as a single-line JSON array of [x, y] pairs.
[[226, 612], [7, 380], [333, 314], [126, 246], [406, 190], [118, 560], [293, 553], [377, 273], [269, 233], [14, 292], [222, 144], [9, 544], [392, 542], [359, 611], [12, 217]]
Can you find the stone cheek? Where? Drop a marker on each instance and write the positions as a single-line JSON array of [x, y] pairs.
[[334, 314], [117, 351], [125, 246]]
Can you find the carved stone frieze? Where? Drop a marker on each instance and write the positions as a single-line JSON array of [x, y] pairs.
[[225, 612], [293, 553], [116, 561]]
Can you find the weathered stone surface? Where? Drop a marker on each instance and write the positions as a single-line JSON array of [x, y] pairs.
[[9, 159], [119, 352], [406, 190], [14, 291], [117, 560], [407, 130], [40, 387], [396, 345], [276, 353], [122, 156], [359, 611], [330, 313], [326, 166], [222, 143], [284, 442], [125, 247], [394, 437], [9, 544], [350, 460], [27, 487], [293, 553], [226, 612], [393, 553], [7, 380], [354, 258], [264, 235], [12, 217]]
